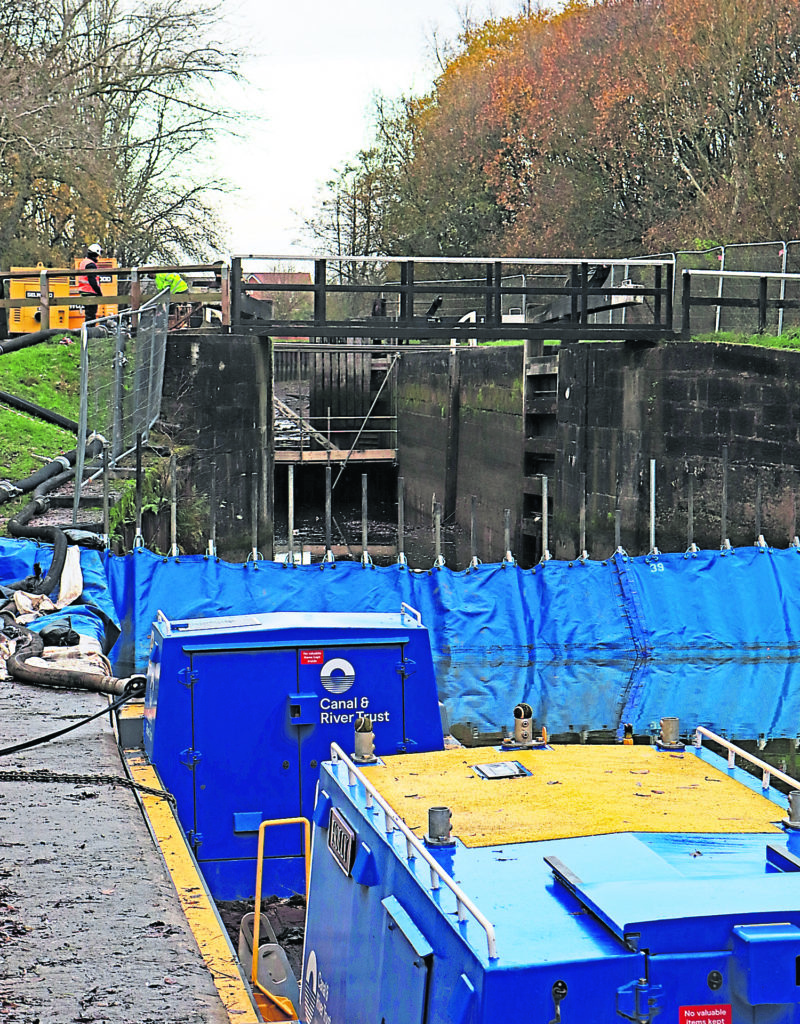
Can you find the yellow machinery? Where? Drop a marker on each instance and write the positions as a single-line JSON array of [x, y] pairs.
[[27, 319]]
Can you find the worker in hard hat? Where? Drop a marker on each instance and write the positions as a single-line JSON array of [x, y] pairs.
[[88, 285]]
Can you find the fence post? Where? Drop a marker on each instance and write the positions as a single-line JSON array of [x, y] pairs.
[[44, 296], [669, 312], [225, 294], [762, 305], [235, 292], [136, 297], [320, 292], [686, 302]]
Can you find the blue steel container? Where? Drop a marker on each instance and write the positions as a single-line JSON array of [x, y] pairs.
[[240, 711], [685, 928]]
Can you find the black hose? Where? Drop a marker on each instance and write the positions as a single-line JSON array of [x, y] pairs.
[[31, 645], [18, 525], [24, 340], [38, 411]]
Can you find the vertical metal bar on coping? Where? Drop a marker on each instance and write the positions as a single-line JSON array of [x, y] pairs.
[[720, 287], [653, 505], [508, 557], [328, 508], [473, 530], [83, 416], [617, 529], [254, 515], [724, 513], [782, 292], [758, 505], [686, 307], [545, 516], [106, 493], [584, 308], [364, 524], [658, 296], [212, 503], [329, 429], [437, 531], [731, 758], [582, 539], [793, 532], [290, 486], [690, 515], [489, 302], [173, 505], [139, 536], [401, 520], [762, 305]]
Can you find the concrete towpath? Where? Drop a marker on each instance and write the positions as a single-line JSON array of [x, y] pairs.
[[91, 929]]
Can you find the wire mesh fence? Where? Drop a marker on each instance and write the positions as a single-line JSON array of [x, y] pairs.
[[122, 376]]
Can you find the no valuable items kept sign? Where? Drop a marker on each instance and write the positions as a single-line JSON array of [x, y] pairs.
[[704, 1014]]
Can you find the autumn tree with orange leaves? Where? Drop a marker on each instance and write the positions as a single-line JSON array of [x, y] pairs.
[[621, 126]]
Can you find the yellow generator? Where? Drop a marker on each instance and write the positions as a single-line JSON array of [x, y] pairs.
[[27, 319], [108, 286]]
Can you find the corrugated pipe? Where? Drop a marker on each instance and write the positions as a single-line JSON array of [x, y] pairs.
[[31, 645]]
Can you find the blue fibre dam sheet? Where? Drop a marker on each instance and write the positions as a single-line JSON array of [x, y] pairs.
[[713, 638], [93, 615]]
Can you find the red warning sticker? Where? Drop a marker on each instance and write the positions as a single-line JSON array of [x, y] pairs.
[[705, 1014], [312, 657]]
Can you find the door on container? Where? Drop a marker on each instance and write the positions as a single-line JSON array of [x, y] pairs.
[[349, 679], [246, 768], [404, 973]]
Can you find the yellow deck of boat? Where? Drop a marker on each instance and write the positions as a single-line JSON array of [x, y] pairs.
[[571, 791]]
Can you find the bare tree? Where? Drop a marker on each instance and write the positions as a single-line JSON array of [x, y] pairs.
[[107, 110]]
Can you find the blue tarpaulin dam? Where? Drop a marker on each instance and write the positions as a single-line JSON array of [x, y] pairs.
[[711, 637]]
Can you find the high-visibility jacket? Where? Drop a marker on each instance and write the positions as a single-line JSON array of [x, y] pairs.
[[87, 285], [174, 282]]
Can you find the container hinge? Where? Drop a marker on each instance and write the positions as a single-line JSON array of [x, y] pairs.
[[406, 668], [188, 677], [190, 757], [639, 1001], [195, 838]]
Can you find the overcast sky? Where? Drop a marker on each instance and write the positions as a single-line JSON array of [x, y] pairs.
[[318, 66]]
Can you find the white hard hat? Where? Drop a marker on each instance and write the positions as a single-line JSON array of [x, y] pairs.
[[95, 248]]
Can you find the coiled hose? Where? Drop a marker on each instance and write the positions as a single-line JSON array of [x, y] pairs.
[[31, 645]]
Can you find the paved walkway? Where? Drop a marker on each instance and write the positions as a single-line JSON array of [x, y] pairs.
[[90, 925]]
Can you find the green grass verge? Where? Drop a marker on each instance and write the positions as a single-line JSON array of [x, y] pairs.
[[49, 375]]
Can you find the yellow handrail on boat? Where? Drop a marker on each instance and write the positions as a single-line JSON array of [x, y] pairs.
[[280, 1001]]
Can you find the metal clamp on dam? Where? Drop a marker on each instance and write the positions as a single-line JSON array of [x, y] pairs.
[[445, 666]]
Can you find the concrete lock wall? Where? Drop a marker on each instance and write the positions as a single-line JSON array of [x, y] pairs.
[[459, 425], [682, 405], [218, 403]]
